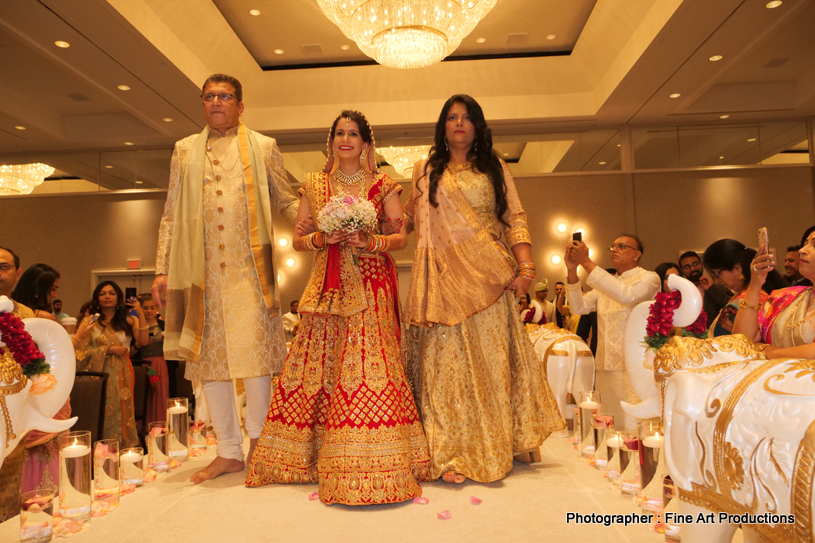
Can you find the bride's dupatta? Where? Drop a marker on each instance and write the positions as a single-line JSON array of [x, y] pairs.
[[458, 268]]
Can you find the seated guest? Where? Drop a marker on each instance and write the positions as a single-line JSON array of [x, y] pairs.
[[663, 271], [729, 263], [102, 344], [785, 320], [714, 296], [793, 276], [523, 303], [84, 311], [544, 310], [291, 321], [153, 354], [56, 310], [37, 288]]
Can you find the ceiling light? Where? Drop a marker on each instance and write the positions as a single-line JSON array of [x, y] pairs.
[[561, 227], [62, 44], [278, 51], [721, 158], [724, 116], [551, 37], [555, 259], [167, 119], [290, 262], [108, 166], [714, 58], [675, 95], [128, 143], [505, 154], [601, 163], [618, 145], [752, 139], [254, 12], [345, 47], [406, 34], [20, 127], [123, 88], [139, 182], [774, 4], [283, 242], [480, 40], [22, 178], [403, 158]]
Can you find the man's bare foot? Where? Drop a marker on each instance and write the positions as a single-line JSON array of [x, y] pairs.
[[253, 442], [453, 477], [217, 467]]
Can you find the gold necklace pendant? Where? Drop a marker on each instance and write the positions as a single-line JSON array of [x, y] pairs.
[[349, 180]]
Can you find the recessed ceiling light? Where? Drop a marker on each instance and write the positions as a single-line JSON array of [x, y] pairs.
[[139, 182], [254, 12], [123, 88], [20, 127], [714, 58], [480, 40], [128, 143], [773, 4], [551, 37], [108, 166], [618, 145], [290, 262], [601, 163], [724, 116], [345, 47], [506, 154], [675, 95], [752, 139], [278, 51], [167, 119], [555, 259], [721, 158], [62, 44]]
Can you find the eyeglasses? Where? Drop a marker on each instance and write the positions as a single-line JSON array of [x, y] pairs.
[[6, 267], [223, 97], [715, 275], [695, 264], [621, 247]]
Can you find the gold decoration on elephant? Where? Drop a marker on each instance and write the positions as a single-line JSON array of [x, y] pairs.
[[803, 368], [733, 466], [738, 342], [12, 381], [801, 490]]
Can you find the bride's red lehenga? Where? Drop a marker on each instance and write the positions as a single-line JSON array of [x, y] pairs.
[[343, 414]]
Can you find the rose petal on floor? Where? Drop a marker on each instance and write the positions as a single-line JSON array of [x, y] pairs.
[[444, 515], [314, 496], [475, 501], [421, 500]]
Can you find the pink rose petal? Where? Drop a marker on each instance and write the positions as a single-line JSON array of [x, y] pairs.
[[444, 515], [475, 501], [314, 496], [421, 500]]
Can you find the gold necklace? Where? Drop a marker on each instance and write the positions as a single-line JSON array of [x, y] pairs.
[[790, 326], [349, 180]]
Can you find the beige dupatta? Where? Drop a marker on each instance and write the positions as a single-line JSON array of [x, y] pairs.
[[458, 268], [185, 291]]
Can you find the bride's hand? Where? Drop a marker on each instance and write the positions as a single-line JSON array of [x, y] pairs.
[[358, 239], [336, 237]]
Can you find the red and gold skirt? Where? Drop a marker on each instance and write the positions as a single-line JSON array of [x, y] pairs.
[[342, 413]]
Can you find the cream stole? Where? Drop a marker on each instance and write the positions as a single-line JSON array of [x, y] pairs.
[[458, 268]]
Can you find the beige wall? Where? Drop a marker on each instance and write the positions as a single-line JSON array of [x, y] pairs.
[[671, 211]]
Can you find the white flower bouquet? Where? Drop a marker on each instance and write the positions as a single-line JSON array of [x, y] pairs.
[[348, 213]]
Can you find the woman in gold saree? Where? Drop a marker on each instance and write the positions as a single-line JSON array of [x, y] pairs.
[[102, 344], [342, 413], [481, 390]]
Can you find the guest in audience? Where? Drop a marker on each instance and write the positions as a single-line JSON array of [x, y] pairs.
[[37, 288], [523, 304], [714, 295], [793, 275], [541, 310], [153, 355], [291, 321], [561, 305], [481, 388], [613, 297], [786, 320], [728, 263], [56, 310], [102, 344], [84, 311], [663, 271]]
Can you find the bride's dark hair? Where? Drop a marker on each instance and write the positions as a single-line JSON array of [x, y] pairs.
[[481, 155]]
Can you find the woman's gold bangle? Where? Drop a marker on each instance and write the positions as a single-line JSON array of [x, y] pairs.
[[743, 303]]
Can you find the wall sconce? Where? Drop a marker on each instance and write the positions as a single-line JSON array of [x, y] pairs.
[[290, 262], [284, 242], [561, 227], [556, 260]]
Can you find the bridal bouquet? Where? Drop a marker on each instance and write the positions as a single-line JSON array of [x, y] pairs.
[[349, 213]]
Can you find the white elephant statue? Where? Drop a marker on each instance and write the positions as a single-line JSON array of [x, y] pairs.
[[568, 362], [739, 434], [20, 410]]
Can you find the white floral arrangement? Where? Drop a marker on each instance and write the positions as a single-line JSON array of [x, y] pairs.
[[348, 213]]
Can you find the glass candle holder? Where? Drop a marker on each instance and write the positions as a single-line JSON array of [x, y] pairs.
[[614, 442], [157, 447], [75, 476], [131, 462], [36, 516], [652, 439], [630, 482], [602, 425], [589, 405], [106, 475], [178, 423], [198, 441], [578, 432]]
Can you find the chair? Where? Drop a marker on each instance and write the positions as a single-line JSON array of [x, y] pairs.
[[141, 389], [88, 402]]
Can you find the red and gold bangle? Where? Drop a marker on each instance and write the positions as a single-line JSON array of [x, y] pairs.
[[377, 243], [314, 241]]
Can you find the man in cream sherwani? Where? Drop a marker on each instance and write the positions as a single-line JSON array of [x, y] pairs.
[[216, 268]]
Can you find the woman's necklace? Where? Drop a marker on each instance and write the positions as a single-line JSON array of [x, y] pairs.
[[793, 326], [349, 180]]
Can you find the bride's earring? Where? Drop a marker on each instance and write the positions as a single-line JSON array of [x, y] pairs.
[[362, 156]]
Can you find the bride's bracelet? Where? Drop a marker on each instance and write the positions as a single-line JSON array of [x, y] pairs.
[[314, 241], [377, 243], [527, 270]]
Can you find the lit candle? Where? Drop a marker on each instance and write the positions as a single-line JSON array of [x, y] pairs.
[[615, 442], [589, 404], [75, 451], [131, 456], [176, 410], [655, 441]]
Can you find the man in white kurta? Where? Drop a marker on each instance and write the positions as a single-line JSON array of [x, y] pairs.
[[241, 337], [613, 297]]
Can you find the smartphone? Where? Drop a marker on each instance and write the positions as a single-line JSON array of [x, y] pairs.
[[94, 317], [763, 239], [577, 236], [130, 294]]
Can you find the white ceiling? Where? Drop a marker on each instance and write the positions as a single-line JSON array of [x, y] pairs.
[[624, 59]]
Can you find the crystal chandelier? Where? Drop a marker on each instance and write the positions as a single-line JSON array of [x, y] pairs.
[[22, 178], [406, 33], [403, 158]]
